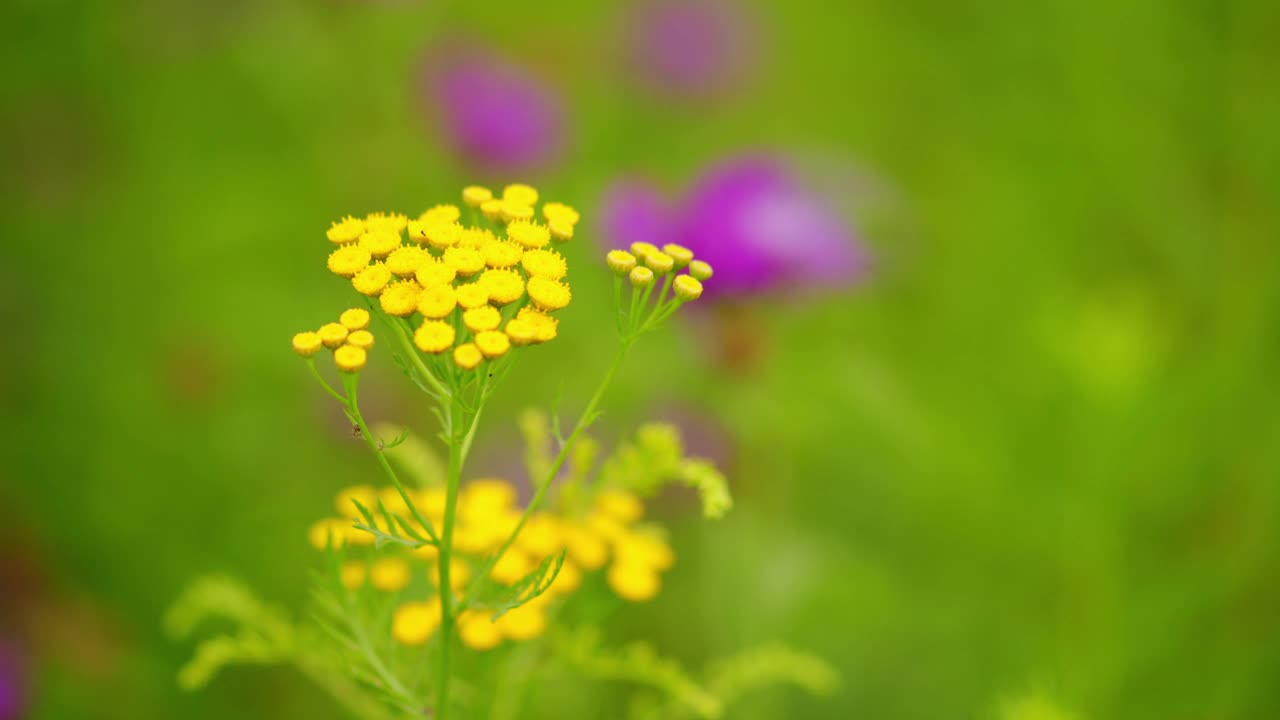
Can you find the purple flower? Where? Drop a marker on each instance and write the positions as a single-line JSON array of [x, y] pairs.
[[762, 228], [492, 112], [688, 47]]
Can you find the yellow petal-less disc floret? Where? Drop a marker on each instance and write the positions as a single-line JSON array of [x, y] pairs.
[[520, 193], [520, 332], [346, 230], [362, 339], [529, 234], [354, 318], [352, 574], [372, 280], [472, 295], [544, 263], [700, 270], [404, 261], [389, 574], [501, 253], [333, 334], [620, 261], [400, 299], [442, 235], [348, 260], [544, 326], [492, 209], [634, 548], [504, 286], [679, 253], [467, 356], [475, 237], [434, 272], [659, 262], [492, 343], [559, 212], [473, 195], [634, 581], [437, 302], [466, 261], [640, 249], [478, 632], [434, 336], [392, 223], [687, 287], [415, 622], [560, 230], [512, 211], [379, 243], [441, 213], [485, 317], [307, 343], [548, 294], [641, 276], [417, 231], [349, 358]]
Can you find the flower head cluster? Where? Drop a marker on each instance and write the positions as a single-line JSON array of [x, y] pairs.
[[645, 265], [473, 290], [349, 338], [606, 537]]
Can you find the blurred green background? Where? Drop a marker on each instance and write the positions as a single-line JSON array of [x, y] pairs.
[[1038, 452]]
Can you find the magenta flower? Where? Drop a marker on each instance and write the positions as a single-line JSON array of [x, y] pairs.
[[757, 222], [493, 113], [692, 48]]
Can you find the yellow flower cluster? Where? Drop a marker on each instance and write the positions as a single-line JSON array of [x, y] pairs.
[[349, 339], [607, 538], [478, 291], [645, 262]]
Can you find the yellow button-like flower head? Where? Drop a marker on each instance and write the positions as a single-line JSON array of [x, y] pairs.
[[544, 326], [634, 582], [501, 253], [415, 622], [362, 339], [434, 336], [333, 334], [548, 294], [372, 280], [433, 272], [641, 276], [477, 632], [472, 295], [679, 253], [307, 343], [467, 356], [400, 299], [473, 195], [379, 243], [700, 270], [520, 332], [404, 261], [520, 193], [511, 567], [441, 213], [525, 622], [640, 249], [622, 506], [492, 209], [620, 261], [559, 212], [349, 358], [485, 317], [442, 235], [475, 237], [687, 287], [437, 302], [392, 223], [529, 234], [346, 230], [512, 211], [389, 574], [493, 343], [467, 261], [560, 230], [544, 263], [348, 260], [504, 286], [354, 318], [659, 262], [352, 574]]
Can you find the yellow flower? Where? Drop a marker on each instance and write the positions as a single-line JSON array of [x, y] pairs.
[[679, 253], [568, 580], [379, 243], [346, 230], [699, 270], [585, 548], [467, 356], [392, 223], [634, 582], [641, 276], [467, 261], [415, 622], [441, 235], [687, 287], [405, 261], [634, 548], [529, 234], [474, 195], [362, 339], [520, 193], [659, 262], [544, 263], [418, 231], [389, 574], [333, 334], [548, 294], [525, 622], [521, 332], [437, 302], [544, 326], [488, 494], [501, 253], [348, 260], [640, 249], [401, 299], [307, 343], [560, 230], [621, 505], [511, 567], [433, 272], [364, 494], [434, 336], [354, 318], [504, 286], [329, 530], [485, 317], [475, 237], [472, 295], [477, 632], [559, 212], [492, 209], [352, 574], [493, 343], [441, 213], [371, 280], [541, 535], [620, 262], [349, 358]]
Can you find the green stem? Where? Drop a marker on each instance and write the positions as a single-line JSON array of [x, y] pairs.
[[584, 420], [311, 364], [447, 616], [412, 353]]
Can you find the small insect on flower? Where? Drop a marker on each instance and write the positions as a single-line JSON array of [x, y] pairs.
[[307, 344], [349, 358], [620, 262], [380, 243], [474, 195], [401, 298], [548, 294], [333, 334], [544, 263], [371, 280], [354, 318], [434, 336], [346, 230], [467, 356], [362, 339], [504, 286], [700, 270], [641, 276], [437, 302], [434, 272], [492, 343], [530, 235], [348, 260], [687, 287]]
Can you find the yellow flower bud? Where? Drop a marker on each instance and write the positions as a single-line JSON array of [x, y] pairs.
[[548, 294], [559, 212], [472, 295], [415, 622], [404, 261], [492, 343], [687, 287], [530, 235], [346, 230], [513, 211], [634, 581], [480, 319], [354, 319], [434, 272], [437, 302], [560, 230], [544, 263], [641, 276], [307, 344], [477, 631], [348, 260], [441, 214], [467, 261], [520, 332], [380, 243], [434, 336], [401, 299], [640, 249], [681, 254], [520, 193], [372, 280], [700, 270], [492, 209], [474, 195], [467, 356], [659, 262], [389, 574], [620, 261], [333, 334], [362, 339], [504, 286], [349, 358]]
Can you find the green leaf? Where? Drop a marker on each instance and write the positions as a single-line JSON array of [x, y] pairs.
[[489, 595]]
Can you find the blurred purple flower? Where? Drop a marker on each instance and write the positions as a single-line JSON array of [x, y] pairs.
[[688, 47], [753, 218], [493, 112]]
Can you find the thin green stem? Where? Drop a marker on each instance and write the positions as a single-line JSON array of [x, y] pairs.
[[412, 353], [311, 365], [447, 616], [617, 302]]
